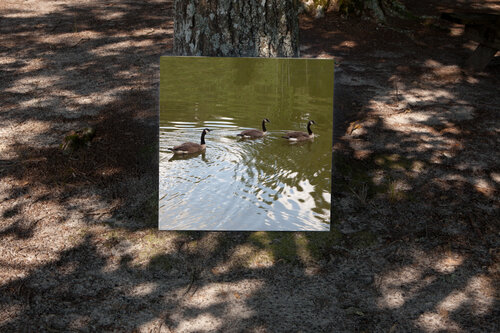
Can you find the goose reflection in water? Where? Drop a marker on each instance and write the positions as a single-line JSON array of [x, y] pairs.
[[308, 143], [177, 157]]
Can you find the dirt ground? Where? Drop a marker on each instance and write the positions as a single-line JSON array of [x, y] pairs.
[[414, 245]]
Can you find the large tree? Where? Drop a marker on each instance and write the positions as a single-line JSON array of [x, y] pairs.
[[257, 28]]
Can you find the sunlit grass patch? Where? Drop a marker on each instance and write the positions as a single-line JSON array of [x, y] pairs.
[[394, 193], [78, 235], [112, 237], [393, 162], [151, 245], [301, 247]]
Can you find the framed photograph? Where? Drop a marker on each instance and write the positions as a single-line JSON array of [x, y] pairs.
[[245, 144]]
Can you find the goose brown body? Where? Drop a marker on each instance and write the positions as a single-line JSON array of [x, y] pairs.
[[301, 136], [253, 133], [191, 147]]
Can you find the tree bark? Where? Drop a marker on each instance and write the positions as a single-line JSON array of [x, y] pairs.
[[256, 28]]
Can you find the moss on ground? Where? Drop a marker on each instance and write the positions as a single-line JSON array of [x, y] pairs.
[[363, 239]]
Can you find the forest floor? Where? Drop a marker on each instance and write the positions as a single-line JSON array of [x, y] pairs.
[[414, 245]]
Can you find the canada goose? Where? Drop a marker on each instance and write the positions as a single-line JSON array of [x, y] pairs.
[[191, 147], [301, 136], [253, 133]]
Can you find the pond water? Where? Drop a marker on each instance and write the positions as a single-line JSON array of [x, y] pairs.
[[245, 184]]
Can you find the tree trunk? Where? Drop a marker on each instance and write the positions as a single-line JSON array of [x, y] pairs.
[[263, 28]]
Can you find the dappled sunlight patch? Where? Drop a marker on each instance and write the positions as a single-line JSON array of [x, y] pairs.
[[197, 311], [392, 299], [34, 65], [397, 190], [46, 240], [12, 270], [257, 258], [478, 296], [70, 39], [480, 184], [74, 101], [438, 116], [115, 49], [392, 286], [452, 302], [128, 74], [392, 161], [79, 322], [147, 32], [448, 263], [110, 15], [420, 96], [33, 134], [439, 72], [245, 255], [324, 55], [198, 323], [360, 145], [471, 165], [348, 44], [409, 283], [32, 8], [151, 243], [484, 186], [303, 249], [470, 45], [482, 294], [434, 322], [362, 154], [418, 166], [207, 245], [431, 63], [472, 80], [30, 84], [216, 294], [10, 311], [8, 60], [456, 30], [454, 177], [109, 171], [143, 289], [495, 176], [260, 238], [444, 71]]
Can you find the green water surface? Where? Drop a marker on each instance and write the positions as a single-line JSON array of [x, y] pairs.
[[261, 184]]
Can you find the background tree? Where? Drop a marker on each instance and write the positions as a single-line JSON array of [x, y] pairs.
[[264, 28], [376, 9]]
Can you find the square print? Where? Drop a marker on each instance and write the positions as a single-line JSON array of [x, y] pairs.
[[245, 143]]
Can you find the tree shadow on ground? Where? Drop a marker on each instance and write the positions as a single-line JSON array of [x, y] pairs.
[[412, 245]]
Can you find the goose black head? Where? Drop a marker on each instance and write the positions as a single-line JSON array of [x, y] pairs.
[[267, 120], [311, 122], [206, 130]]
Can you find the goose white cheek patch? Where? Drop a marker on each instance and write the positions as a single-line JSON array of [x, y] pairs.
[[245, 144]]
